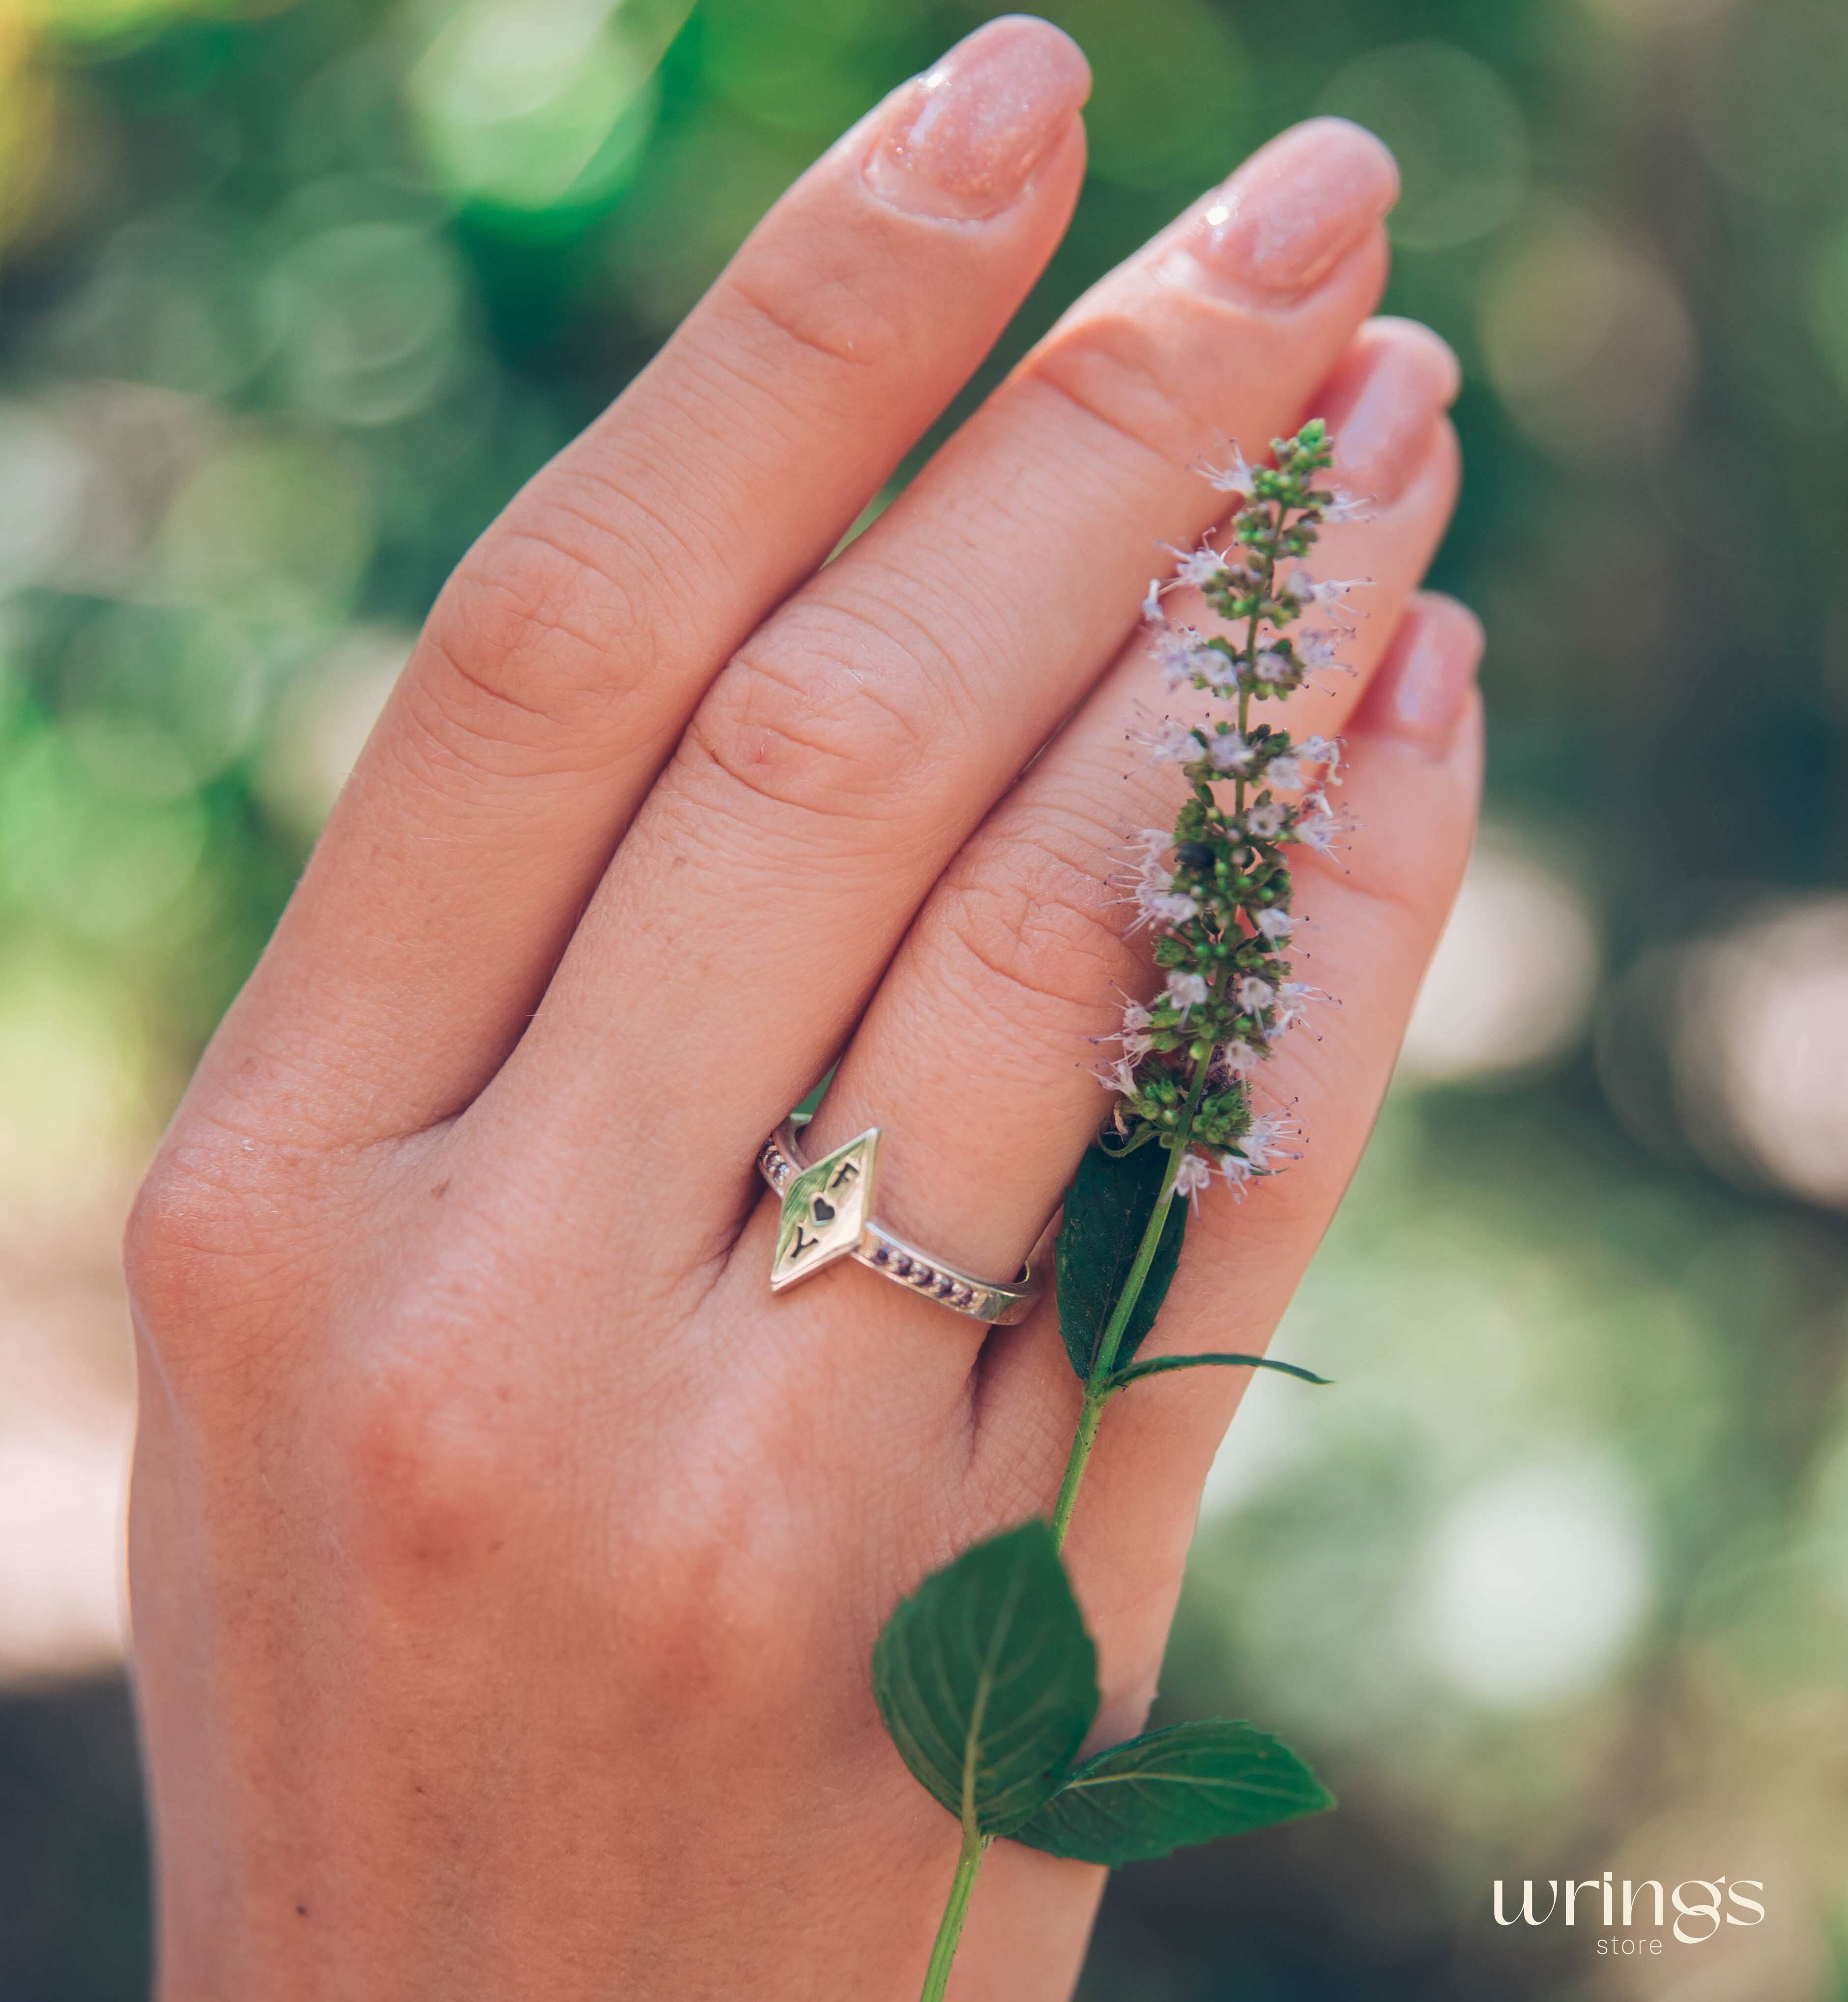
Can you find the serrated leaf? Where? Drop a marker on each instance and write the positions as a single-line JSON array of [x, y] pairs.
[[1107, 1209], [987, 1680], [1170, 1789], [1158, 1366]]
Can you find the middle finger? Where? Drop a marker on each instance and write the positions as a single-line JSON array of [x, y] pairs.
[[985, 1037], [852, 745]]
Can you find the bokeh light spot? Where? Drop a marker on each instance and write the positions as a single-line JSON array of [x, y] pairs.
[[1760, 1079], [92, 862], [102, 20], [1512, 982], [789, 64], [128, 756], [63, 1492], [322, 721], [530, 106], [43, 477], [274, 527], [194, 675], [1827, 300], [72, 1078], [1456, 129], [1659, 14], [367, 319], [1533, 1584], [1587, 341], [169, 301], [29, 109], [1774, 123]]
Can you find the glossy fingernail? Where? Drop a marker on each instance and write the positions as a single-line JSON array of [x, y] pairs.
[[1293, 211], [962, 140], [1386, 395], [1424, 685]]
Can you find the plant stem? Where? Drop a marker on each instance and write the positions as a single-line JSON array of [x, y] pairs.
[[1097, 1394], [949, 1933], [1075, 1463], [1097, 1386]]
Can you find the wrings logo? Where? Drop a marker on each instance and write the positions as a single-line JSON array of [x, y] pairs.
[[1701, 1906]]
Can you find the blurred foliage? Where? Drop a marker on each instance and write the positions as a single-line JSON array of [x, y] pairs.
[[293, 296]]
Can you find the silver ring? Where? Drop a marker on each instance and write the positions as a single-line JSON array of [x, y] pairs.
[[827, 1215]]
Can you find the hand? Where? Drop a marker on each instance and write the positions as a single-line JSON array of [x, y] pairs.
[[505, 1559]]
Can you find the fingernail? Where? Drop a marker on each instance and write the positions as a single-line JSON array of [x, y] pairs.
[[1420, 693], [1386, 396], [1293, 211], [962, 140]]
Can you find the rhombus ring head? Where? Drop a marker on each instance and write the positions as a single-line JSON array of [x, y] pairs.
[[827, 1216], [825, 1210]]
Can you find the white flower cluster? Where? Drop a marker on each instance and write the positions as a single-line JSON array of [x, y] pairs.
[[1215, 889]]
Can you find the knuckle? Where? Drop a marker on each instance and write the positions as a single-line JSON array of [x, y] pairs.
[[834, 318], [1126, 374], [706, 1581], [702, 1626], [175, 1245], [426, 1484], [444, 1478], [539, 646], [206, 1250], [830, 722], [1033, 915]]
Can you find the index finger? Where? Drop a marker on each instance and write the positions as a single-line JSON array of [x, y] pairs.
[[565, 654]]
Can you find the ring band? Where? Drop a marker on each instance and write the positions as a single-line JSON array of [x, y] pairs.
[[827, 1215]]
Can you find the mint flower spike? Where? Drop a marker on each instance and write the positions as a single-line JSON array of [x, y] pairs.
[[1215, 891], [986, 1678]]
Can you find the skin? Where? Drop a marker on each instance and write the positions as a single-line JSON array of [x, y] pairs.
[[505, 1560]]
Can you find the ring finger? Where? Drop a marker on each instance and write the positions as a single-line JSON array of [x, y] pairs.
[[983, 1034]]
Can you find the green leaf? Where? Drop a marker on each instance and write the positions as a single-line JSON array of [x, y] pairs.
[[1158, 1364], [1195, 1783], [812, 1104], [987, 1681], [1107, 1208]]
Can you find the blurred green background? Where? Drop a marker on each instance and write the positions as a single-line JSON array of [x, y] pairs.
[[1555, 1581]]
